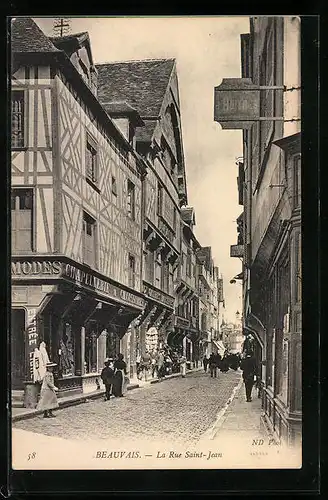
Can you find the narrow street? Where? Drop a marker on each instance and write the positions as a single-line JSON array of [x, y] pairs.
[[176, 410]]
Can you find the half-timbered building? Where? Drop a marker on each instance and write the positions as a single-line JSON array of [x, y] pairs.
[[151, 88], [75, 210]]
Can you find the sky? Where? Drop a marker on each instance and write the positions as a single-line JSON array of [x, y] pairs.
[[206, 49]]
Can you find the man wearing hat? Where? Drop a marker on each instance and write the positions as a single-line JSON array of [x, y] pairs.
[[107, 376], [48, 398]]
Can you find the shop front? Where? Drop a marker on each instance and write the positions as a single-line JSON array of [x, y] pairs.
[[80, 315], [152, 325]]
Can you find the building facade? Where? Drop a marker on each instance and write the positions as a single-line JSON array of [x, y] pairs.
[[159, 144], [104, 256], [269, 183], [75, 211]]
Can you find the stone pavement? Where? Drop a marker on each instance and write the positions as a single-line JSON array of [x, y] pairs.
[[25, 413], [241, 418], [178, 410]]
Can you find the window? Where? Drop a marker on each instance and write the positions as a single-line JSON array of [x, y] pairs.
[[149, 266], [114, 186], [89, 240], [159, 199], [132, 271], [188, 264], [267, 97], [22, 220], [91, 162], [17, 119], [174, 219], [131, 199], [158, 270], [165, 277], [297, 181]]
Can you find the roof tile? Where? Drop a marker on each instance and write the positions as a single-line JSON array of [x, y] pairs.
[[140, 83], [26, 36]]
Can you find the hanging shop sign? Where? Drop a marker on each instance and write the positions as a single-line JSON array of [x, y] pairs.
[[237, 103], [158, 296], [236, 250]]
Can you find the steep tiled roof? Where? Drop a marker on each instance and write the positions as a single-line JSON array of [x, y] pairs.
[[141, 83], [26, 36]]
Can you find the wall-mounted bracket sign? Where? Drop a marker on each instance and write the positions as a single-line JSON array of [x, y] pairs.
[[237, 103]]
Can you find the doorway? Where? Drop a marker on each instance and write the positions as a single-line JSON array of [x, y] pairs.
[[17, 348]]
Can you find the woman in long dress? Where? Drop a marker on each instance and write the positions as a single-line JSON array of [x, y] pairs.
[[120, 373], [48, 399]]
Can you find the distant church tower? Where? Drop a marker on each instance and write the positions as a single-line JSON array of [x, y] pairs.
[[238, 318]]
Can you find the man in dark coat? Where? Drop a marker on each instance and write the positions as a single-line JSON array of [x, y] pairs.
[[107, 376], [205, 363], [212, 364], [248, 365], [217, 359]]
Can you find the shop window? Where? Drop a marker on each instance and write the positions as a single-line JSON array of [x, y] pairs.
[[89, 240], [66, 352], [131, 200], [91, 161], [90, 364], [22, 220], [132, 271], [17, 119]]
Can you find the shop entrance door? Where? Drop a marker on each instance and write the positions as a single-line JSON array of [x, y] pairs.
[[17, 348]]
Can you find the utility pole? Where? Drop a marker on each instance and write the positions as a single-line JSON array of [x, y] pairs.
[[61, 26]]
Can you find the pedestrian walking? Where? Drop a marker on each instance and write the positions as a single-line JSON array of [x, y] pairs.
[[48, 398], [212, 365], [183, 366], [217, 359], [107, 376], [205, 363], [119, 384], [160, 365], [138, 362], [153, 365], [248, 365], [224, 366]]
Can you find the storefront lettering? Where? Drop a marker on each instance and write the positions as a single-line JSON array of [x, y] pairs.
[[156, 295], [101, 285], [32, 338], [35, 268]]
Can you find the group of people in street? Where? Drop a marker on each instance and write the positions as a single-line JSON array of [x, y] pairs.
[[215, 362], [114, 377], [246, 362], [157, 364]]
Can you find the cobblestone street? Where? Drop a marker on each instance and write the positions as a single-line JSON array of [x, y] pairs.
[[176, 410]]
